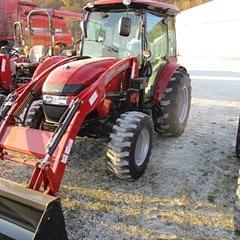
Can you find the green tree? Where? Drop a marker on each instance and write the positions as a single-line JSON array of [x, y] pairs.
[[67, 3]]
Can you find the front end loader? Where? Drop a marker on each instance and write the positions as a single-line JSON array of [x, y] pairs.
[[125, 84]]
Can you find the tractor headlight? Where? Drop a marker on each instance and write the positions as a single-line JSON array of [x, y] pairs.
[[55, 100]]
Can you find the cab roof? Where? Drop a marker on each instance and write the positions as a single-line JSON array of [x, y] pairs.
[[147, 4]]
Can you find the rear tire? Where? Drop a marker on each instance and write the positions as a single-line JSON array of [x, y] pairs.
[[130, 145], [35, 115], [236, 216], [170, 117], [238, 140]]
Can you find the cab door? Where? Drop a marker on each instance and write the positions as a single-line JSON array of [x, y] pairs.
[[161, 41]]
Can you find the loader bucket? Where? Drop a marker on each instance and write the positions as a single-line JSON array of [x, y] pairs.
[[29, 215]]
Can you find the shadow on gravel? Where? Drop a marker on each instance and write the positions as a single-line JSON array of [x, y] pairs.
[[186, 193]]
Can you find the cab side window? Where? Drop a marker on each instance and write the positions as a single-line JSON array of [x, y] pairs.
[[171, 37], [157, 43], [157, 37]]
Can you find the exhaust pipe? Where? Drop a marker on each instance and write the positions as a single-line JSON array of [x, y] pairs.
[[29, 215]]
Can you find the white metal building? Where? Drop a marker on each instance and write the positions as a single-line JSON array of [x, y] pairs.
[[211, 29]]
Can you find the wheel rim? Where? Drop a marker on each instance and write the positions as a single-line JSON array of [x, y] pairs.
[[142, 147], [183, 104]]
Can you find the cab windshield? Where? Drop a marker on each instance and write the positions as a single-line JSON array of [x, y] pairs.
[[103, 38]]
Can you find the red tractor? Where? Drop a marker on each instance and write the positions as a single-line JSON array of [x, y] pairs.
[[48, 35], [125, 84], [14, 25]]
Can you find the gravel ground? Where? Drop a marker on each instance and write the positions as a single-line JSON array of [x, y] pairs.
[[188, 189]]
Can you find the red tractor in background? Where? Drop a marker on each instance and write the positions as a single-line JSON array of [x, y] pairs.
[[48, 35], [14, 25], [125, 84], [12, 11]]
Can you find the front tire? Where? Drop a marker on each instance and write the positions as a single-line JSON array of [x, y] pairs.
[[130, 145], [35, 116], [170, 117]]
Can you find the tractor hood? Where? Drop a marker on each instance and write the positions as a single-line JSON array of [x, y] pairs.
[[73, 77]]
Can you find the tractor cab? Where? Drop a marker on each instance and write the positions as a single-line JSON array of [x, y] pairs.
[[142, 29]]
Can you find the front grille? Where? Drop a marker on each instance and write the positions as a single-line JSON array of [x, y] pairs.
[[53, 113]]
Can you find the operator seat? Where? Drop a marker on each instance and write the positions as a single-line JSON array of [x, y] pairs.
[[25, 70], [37, 52]]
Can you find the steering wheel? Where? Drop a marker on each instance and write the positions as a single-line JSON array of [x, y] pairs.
[[14, 52]]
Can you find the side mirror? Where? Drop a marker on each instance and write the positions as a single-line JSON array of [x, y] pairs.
[[125, 26], [83, 26]]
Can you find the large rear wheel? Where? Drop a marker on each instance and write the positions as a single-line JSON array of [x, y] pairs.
[[130, 145], [170, 117], [236, 216], [238, 140]]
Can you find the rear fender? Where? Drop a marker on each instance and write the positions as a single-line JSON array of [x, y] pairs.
[[164, 77]]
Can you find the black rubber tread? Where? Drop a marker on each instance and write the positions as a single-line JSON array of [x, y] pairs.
[[2, 99], [238, 140], [166, 120], [121, 147], [236, 216], [35, 115]]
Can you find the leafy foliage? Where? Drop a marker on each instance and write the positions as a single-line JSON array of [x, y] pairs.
[[77, 6], [71, 5]]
